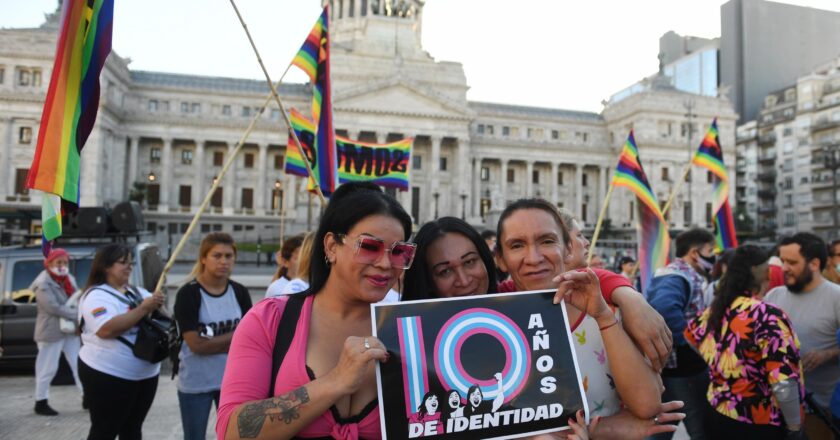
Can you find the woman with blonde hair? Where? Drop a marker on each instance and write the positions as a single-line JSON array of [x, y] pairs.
[[287, 258], [301, 280], [207, 309]]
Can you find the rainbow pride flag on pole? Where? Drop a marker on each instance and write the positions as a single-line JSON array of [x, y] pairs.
[[84, 42], [654, 241], [710, 156], [383, 164], [314, 59]]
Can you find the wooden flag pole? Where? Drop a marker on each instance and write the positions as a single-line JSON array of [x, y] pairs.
[[279, 103], [675, 190], [598, 224]]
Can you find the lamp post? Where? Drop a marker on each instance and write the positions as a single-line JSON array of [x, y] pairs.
[[463, 206], [832, 162], [436, 195]]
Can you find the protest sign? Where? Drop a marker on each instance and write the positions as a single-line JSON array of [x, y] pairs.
[[490, 366]]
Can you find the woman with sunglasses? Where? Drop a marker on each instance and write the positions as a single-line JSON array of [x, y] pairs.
[[328, 385]]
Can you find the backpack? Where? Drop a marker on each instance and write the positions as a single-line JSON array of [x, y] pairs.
[[176, 339]]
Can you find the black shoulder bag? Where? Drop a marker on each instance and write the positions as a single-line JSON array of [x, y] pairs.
[[152, 343]]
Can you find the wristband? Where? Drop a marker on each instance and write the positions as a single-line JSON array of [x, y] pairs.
[[608, 326]]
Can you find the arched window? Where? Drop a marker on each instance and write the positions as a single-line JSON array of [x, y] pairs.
[[351, 11], [340, 8]]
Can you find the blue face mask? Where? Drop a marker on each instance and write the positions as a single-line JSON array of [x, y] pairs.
[[837, 268]]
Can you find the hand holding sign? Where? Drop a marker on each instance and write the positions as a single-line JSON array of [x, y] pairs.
[[356, 362], [583, 290]]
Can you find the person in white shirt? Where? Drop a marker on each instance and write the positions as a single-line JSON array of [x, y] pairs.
[[119, 387], [300, 282], [287, 258]]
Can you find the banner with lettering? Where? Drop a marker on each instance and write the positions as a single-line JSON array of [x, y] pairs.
[[490, 366], [382, 164]]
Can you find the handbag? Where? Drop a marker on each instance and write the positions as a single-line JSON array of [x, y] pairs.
[[152, 342]]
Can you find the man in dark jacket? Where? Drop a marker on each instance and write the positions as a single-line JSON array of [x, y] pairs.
[[676, 292]]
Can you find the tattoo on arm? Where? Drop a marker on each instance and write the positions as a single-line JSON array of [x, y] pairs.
[[285, 408]]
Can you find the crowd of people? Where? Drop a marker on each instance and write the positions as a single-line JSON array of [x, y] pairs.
[[740, 344]]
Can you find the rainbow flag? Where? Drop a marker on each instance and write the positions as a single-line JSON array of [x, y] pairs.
[[383, 164], [710, 156], [654, 241], [84, 42], [314, 59]]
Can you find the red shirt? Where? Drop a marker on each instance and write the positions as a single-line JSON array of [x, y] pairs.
[[609, 282]]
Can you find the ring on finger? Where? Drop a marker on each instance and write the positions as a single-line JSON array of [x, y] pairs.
[[367, 344], [656, 420]]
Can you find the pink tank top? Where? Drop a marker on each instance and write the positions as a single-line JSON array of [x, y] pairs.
[[248, 372]]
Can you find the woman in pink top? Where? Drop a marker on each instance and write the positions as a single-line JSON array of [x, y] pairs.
[[326, 386]]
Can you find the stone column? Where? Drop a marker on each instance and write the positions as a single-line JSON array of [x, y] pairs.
[[476, 188], [167, 185], [503, 185], [6, 166], [463, 179], [133, 147], [578, 192], [603, 172], [434, 182], [529, 179], [200, 188], [229, 193], [354, 134], [552, 182], [261, 193]]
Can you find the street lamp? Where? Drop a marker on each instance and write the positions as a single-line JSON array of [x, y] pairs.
[[436, 195], [832, 162], [463, 206], [152, 177]]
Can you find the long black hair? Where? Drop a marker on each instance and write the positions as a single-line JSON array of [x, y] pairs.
[[349, 204], [418, 278], [422, 409], [105, 257], [738, 281]]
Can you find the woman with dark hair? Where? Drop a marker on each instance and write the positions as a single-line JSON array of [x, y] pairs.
[[287, 259], [542, 248], [756, 388], [119, 387], [325, 384], [475, 400], [428, 411], [453, 260]]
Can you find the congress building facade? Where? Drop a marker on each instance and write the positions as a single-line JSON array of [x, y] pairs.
[[162, 138]]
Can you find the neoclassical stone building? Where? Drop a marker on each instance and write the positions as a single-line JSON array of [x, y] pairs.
[[171, 133]]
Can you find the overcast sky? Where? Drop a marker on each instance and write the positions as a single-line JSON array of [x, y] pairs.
[[565, 54]]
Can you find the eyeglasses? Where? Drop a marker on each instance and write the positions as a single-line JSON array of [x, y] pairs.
[[370, 249]]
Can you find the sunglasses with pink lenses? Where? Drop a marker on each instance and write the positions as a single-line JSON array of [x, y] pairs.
[[370, 249]]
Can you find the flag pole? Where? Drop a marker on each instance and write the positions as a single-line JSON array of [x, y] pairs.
[[676, 190], [279, 102], [598, 225], [216, 183]]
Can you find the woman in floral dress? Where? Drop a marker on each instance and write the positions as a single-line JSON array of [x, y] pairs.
[[756, 388]]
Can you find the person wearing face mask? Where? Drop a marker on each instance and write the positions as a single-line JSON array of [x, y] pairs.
[[813, 305], [53, 288], [676, 292], [832, 268]]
